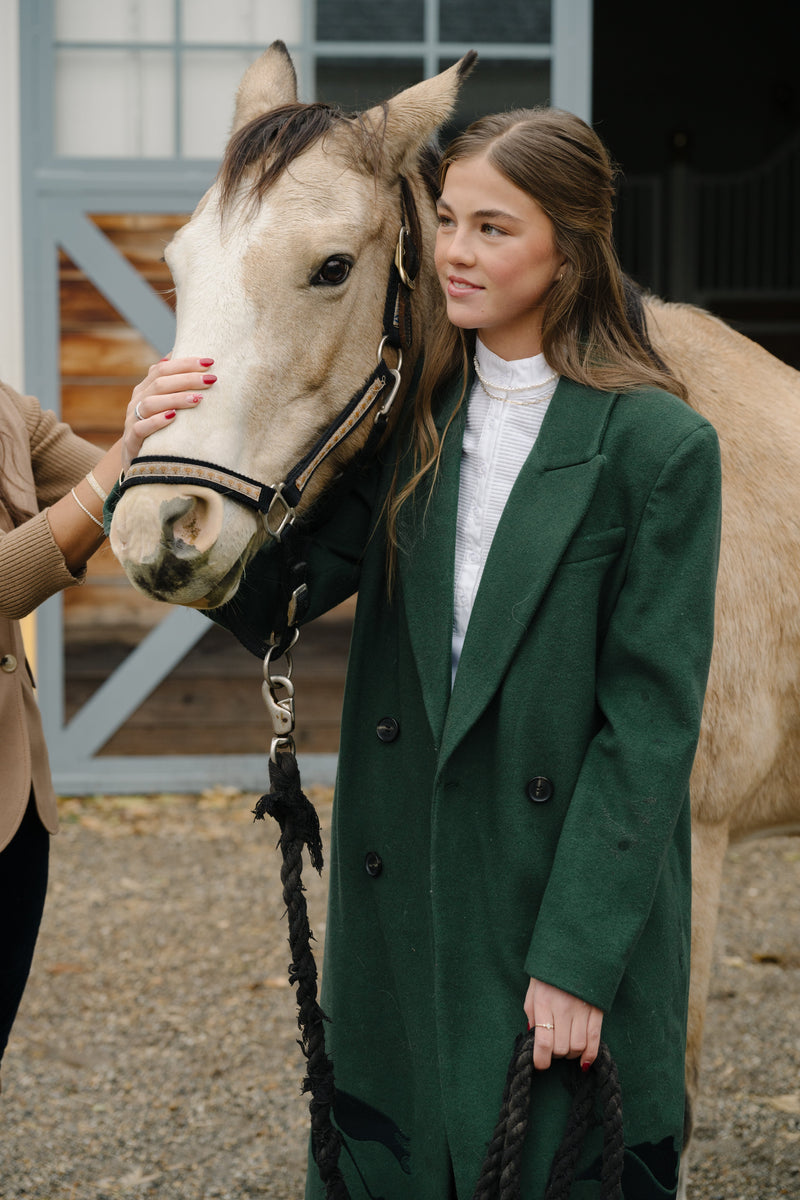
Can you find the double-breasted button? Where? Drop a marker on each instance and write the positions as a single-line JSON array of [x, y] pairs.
[[388, 729], [539, 789], [373, 863], [8, 663]]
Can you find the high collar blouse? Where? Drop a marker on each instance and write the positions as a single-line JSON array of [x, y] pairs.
[[498, 437]]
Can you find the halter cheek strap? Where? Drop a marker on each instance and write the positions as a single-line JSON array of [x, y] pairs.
[[278, 502]]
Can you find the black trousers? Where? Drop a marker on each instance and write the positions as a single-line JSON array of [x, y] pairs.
[[23, 884]]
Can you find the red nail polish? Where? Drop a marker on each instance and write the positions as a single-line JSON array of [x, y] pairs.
[[206, 362], [209, 379], [195, 399], [585, 1066], [170, 415]]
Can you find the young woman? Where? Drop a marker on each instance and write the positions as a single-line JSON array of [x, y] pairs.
[[52, 487], [535, 557]]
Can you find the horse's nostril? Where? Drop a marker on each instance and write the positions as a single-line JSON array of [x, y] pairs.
[[179, 526], [173, 510], [191, 521]]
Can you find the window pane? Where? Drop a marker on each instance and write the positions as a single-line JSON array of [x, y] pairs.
[[512, 21], [256, 21], [366, 21], [210, 80], [114, 103], [114, 20], [496, 84], [356, 84]]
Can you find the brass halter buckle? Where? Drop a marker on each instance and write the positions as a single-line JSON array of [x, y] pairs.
[[399, 259]]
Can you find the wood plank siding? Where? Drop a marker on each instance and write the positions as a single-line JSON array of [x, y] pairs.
[[211, 703]]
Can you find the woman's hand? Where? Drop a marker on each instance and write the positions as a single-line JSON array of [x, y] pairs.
[[169, 385], [566, 1027]]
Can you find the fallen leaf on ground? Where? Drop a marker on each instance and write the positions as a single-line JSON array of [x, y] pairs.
[[136, 1178], [785, 1104]]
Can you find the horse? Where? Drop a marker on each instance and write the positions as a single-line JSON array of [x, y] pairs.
[[285, 274]]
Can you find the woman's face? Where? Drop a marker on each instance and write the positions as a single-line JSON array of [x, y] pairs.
[[496, 258]]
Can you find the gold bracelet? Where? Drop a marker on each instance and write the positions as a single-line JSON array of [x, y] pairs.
[[91, 516], [95, 486]]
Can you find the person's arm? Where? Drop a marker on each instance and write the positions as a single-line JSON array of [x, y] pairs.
[[50, 550], [634, 780], [77, 518]]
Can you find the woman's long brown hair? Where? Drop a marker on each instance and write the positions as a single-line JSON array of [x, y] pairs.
[[593, 328]]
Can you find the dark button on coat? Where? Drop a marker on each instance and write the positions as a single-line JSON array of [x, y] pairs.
[[540, 789], [373, 864], [388, 729]]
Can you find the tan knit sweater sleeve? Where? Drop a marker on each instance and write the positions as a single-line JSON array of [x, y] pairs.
[[41, 460]]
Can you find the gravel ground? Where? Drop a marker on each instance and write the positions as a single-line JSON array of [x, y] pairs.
[[155, 1052]]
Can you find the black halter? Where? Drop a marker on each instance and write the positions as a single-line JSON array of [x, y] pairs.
[[278, 502]]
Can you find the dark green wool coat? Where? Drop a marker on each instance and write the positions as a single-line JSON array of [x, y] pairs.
[[533, 822]]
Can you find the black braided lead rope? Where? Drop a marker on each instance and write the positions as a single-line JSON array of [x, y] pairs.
[[299, 825], [502, 1163], [500, 1175]]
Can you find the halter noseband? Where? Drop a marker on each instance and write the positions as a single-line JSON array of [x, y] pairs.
[[277, 503]]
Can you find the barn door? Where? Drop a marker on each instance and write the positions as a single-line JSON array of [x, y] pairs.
[[125, 108]]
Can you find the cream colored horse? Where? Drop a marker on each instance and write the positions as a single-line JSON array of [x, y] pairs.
[[286, 292], [746, 776], [285, 288]]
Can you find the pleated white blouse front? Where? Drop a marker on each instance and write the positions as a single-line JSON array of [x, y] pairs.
[[499, 436]]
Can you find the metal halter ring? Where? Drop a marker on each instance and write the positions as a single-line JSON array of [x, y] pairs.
[[281, 709], [394, 372], [280, 512]]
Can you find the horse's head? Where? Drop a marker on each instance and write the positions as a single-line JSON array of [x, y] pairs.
[[284, 275]]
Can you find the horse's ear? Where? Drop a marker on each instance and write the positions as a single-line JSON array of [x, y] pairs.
[[413, 116], [266, 84]]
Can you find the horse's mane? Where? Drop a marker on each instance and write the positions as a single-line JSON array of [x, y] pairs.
[[267, 144]]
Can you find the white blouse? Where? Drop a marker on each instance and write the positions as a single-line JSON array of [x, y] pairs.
[[498, 437]]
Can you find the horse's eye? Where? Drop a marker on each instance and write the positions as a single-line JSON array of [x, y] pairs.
[[333, 272]]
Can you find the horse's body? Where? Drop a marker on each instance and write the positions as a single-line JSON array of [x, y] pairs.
[[260, 288]]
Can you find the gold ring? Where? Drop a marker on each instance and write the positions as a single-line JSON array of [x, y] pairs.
[[543, 1025]]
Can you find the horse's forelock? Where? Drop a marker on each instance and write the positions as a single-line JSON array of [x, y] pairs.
[[268, 143]]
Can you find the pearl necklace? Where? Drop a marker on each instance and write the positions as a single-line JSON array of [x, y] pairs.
[[505, 398]]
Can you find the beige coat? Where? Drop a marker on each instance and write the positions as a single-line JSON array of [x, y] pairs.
[[41, 459]]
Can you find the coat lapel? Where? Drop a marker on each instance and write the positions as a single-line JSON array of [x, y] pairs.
[[426, 567], [548, 502]]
